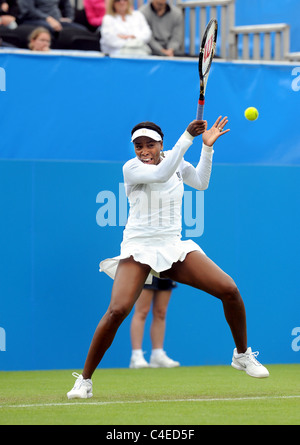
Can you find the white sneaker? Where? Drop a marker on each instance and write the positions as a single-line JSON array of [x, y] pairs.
[[82, 388], [138, 362], [161, 360], [247, 362]]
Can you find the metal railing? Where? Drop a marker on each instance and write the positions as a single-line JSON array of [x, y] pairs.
[[260, 42], [196, 16], [253, 42]]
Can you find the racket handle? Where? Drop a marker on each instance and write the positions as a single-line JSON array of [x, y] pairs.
[[200, 110]]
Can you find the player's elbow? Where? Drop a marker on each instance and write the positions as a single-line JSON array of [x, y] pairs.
[[202, 186]]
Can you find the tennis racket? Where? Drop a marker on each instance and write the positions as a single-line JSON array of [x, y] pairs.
[[207, 51]]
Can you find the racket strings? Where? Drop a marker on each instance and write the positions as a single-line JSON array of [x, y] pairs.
[[208, 49]]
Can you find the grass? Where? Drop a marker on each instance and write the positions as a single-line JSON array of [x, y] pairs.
[[208, 395]]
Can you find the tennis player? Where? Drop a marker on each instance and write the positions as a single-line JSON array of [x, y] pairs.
[[152, 242]]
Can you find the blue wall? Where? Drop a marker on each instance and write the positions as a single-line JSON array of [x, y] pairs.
[[75, 108], [62, 116]]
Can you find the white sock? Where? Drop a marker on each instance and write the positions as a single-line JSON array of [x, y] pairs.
[[137, 353], [157, 351]]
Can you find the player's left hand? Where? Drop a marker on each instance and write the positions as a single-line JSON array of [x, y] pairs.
[[210, 136]]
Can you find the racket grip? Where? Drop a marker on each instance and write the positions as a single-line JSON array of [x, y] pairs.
[[200, 110]]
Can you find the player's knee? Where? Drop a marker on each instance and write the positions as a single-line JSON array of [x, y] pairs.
[[230, 291], [118, 313]]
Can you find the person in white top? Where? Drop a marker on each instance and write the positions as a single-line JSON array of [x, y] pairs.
[[152, 242], [124, 31]]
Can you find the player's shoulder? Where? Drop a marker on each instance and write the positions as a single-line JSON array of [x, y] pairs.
[[168, 153]]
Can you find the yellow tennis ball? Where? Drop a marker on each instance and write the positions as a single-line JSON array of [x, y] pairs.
[[251, 114]]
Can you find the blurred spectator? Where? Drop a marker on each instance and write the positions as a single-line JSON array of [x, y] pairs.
[[54, 15], [124, 31], [4, 44], [8, 13], [157, 294], [91, 15], [51, 14], [166, 23], [39, 39]]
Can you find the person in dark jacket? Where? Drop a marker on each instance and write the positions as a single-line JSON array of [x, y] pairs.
[[8, 13], [52, 14]]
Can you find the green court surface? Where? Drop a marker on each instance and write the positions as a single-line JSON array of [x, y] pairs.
[[206, 395]]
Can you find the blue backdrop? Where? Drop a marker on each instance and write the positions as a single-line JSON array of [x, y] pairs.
[[258, 12], [65, 128], [77, 108]]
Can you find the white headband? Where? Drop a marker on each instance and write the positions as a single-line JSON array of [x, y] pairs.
[[152, 134]]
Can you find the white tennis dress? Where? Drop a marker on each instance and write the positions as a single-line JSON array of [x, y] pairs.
[[153, 231]]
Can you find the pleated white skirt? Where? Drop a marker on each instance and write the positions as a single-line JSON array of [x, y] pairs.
[[159, 254]]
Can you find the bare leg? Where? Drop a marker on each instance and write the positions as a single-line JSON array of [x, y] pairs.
[[199, 271], [158, 326], [128, 284], [142, 308]]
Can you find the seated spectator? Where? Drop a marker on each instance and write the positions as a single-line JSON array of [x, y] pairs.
[[39, 39], [91, 15], [8, 13], [124, 31], [4, 44], [166, 23], [51, 14]]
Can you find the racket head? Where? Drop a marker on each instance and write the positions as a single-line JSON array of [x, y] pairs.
[[207, 49]]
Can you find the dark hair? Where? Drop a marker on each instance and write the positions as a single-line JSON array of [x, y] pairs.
[[150, 126]]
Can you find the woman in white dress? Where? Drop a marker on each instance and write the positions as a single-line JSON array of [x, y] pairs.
[[124, 31], [152, 242]]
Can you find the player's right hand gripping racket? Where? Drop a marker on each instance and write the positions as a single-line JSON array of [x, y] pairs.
[[207, 51]]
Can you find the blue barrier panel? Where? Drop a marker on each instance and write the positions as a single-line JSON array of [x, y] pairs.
[[83, 108], [53, 235]]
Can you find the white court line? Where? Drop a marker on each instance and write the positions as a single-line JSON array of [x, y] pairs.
[[128, 402]]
